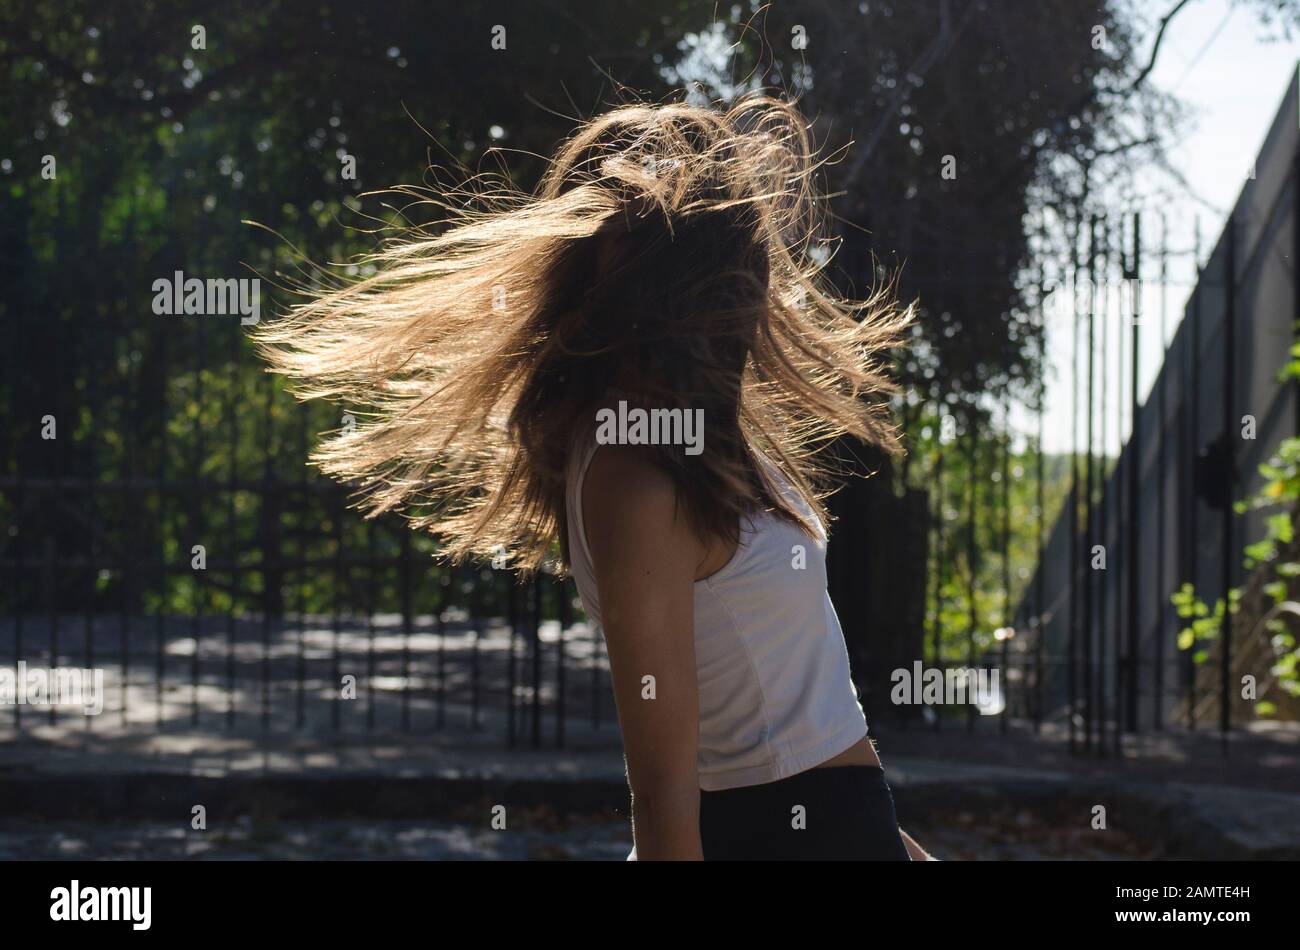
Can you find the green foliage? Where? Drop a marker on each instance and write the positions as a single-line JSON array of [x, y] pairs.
[[163, 153], [1281, 491], [974, 593]]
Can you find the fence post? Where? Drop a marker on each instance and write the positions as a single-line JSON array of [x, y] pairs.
[[1134, 276], [1230, 464]]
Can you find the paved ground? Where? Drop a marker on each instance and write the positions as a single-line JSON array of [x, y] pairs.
[[403, 801], [1262, 756], [256, 731], [955, 837], [325, 840], [316, 676]]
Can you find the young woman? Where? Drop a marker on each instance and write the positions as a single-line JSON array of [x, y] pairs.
[[633, 365]]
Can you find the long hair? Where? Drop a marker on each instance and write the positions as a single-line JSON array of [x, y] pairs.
[[671, 254]]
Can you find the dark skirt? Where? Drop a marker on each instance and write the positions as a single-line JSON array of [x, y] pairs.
[[839, 813]]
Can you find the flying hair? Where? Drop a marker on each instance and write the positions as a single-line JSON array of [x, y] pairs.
[[672, 255]]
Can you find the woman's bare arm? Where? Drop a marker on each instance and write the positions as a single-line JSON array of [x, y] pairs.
[[644, 558], [914, 850]]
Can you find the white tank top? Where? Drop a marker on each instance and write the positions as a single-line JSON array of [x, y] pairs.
[[773, 672]]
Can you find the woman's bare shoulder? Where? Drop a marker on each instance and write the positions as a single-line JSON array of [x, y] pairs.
[[624, 486]]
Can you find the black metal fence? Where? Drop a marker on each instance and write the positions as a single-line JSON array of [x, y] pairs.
[[268, 606], [1163, 511]]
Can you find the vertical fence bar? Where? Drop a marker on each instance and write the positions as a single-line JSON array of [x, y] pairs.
[[128, 584], [1074, 635], [939, 559], [407, 623], [1131, 666], [269, 510], [1006, 566], [1193, 448], [58, 468], [305, 506], [1115, 264], [121, 571], [475, 688], [232, 635], [196, 523], [92, 507], [561, 588], [19, 549], [943, 252], [336, 620], [1103, 580], [1089, 533], [160, 538], [1123, 465], [536, 648], [131, 502], [972, 557], [1040, 627], [51, 599], [1229, 477], [22, 584], [597, 645], [1162, 401], [440, 699], [452, 592], [370, 626], [1119, 481], [512, 620]]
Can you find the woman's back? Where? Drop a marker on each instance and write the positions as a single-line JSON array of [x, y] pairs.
[[773, 673]]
